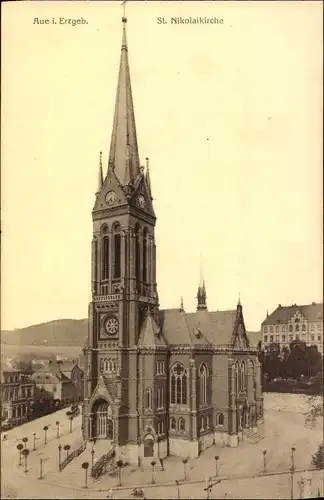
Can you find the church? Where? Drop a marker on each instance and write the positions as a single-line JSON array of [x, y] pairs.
[[157, 382]]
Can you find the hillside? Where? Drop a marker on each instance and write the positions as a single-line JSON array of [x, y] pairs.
[[62, 332]]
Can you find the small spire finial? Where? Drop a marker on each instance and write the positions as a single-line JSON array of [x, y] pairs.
[[181, 305], [100, 174], [239, 299]]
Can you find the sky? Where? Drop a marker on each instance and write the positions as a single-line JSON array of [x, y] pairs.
[[230, 116]]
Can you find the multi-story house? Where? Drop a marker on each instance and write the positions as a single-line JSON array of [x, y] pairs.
[[288, 323], [17, 396], [59, 383]]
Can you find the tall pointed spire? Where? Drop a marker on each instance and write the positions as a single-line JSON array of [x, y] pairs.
[[123, 155], [100, 174]]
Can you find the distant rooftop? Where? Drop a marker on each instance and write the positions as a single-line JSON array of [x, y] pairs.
[[282, 314]]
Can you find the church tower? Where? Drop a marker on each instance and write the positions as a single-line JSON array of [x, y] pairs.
[[123, 282]]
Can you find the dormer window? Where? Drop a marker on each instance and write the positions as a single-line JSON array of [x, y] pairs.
[[197, 333]]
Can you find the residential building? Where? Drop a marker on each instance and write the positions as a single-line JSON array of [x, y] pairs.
[[17, 396], [56, 386], [157, 382], [74, 372], [288, 323]]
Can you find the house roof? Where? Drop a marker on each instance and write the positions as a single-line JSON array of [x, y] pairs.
[[8, 368], [50, 378], [282, 314], [67, 366], [198, 328]]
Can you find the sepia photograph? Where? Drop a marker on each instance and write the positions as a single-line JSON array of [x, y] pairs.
[[162, 250]]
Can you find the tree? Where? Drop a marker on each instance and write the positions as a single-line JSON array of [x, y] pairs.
[[119, 464], [85, 466], [318, 457]]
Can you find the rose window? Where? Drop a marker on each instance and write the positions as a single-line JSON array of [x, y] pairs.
[[111, 326]]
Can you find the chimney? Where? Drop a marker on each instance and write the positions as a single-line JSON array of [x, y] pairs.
[[313, 303], [279, 305]]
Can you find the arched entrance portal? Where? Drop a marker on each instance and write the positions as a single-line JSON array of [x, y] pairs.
[[103, 426], [149, 446]]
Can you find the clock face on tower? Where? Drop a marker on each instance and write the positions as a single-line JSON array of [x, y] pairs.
[[141, 201], [111, 325], [110, 197]]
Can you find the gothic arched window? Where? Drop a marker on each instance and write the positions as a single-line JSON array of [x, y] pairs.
[[303, 327], [108, 365], [117, 251], [173, 424], [236, 378], [290, 328], [105, 253], [160, 397], [149, 398], [137, 253], [242, 376], [178, 381], [203, 384], [182, 424], [220, 420], [297, 328], [145, 255]]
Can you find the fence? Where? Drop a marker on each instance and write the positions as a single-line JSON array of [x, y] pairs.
[[101, 467], [72, 455]]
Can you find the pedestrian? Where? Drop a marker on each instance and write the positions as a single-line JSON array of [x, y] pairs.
[[161, 462], [4, 437]]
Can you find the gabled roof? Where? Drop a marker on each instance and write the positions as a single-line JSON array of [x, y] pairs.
[[282, 314], [150, 334], [67, 366], [198, 328], [111, 385]]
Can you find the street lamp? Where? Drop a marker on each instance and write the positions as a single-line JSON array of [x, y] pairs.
[[292, 470], [60, 451], [34, 442], [19, 448], [264, 461], [57, 429], [25, 452], [185, 461], [25, 439], [71, 420], [153, 463], [41, 469], [85, 466], [178, 488], [216, 461], [92, 457], [45, 429]]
